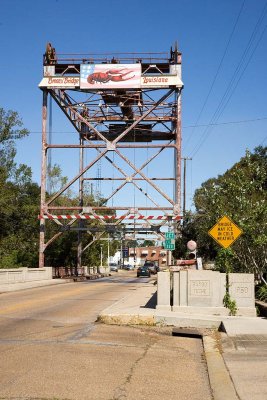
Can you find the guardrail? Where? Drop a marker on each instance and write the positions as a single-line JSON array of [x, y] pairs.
[[18, 275]]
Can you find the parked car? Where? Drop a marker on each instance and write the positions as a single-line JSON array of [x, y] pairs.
[[143, 271], [153, 268], [113, 267], [129, 267]]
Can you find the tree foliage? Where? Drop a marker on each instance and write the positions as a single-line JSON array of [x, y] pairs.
[[11, 129], [19, 199], [63, 250], [241, 195]]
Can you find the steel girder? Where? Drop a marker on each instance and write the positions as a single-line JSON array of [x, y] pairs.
[[110, 122]]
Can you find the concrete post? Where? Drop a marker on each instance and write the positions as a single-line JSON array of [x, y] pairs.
[[164, 291], [183, 288], [176, 289]]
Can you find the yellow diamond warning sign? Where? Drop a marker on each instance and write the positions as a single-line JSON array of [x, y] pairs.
[[225, 232]]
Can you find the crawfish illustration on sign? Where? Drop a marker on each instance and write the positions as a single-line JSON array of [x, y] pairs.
[[114, 75]]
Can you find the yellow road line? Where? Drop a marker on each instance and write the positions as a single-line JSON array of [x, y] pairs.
[[36, 302]]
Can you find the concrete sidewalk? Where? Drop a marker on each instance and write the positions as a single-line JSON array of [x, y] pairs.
[[236, 356]]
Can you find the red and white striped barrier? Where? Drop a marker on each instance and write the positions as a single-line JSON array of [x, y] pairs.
[[111, 217]]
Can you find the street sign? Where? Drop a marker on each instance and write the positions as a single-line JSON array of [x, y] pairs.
[[169, 244], [225, 232], [125, 252], [169, 235]]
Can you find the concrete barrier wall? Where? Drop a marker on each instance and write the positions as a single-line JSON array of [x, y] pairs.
[[242, 289], [9, 276], [202, 292], [198, 288], [164, 294]]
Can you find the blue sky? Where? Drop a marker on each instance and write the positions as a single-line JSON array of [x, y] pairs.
[[210, 45]]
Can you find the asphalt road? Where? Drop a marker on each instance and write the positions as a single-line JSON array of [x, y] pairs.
[[51, 347]]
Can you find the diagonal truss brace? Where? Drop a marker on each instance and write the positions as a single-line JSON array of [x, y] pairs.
[[76, 118]]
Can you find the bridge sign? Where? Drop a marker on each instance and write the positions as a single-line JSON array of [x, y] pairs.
[[225, 232]]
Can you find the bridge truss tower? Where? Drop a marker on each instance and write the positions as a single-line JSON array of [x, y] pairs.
[[126, 113]]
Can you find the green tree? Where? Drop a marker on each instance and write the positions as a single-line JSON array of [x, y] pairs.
[[186, 232], [55, 178], [63, 250], [11, 129], [19, 199], [147, 243], [19, 204], [241, 195]]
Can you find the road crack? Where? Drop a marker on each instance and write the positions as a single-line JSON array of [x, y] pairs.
[[120, 392]]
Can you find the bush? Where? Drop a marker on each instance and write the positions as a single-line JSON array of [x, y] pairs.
[[261, 293]]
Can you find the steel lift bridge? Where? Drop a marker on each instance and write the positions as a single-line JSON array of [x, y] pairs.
[[126, 113]]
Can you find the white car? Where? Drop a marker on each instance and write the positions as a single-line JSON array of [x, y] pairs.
[[129, 267], [113, 267]]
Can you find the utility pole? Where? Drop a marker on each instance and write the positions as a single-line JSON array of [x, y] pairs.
[[121, 252], [101, 257], [108, 250], [184, 194]]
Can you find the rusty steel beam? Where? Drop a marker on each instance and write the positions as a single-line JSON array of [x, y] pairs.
[[43, 180], [144, 115], [122, 179], [110, 124], [107, 208], [129, 178], [116, 118], [178, 156], [81, 195], [138, 171], [75, 178], [103, 146]]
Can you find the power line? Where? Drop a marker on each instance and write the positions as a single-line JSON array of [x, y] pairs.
[[244, 69], [263, 140], [241, 121], [230, 90], [218, 70], [184, 181]]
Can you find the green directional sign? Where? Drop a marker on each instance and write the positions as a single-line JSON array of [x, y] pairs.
[[169, 235], [169, 244]]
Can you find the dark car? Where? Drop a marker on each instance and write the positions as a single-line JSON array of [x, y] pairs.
[[153, 268], [143, 271]]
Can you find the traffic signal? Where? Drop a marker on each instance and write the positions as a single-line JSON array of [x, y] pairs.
[[192, 255], [192, 247]]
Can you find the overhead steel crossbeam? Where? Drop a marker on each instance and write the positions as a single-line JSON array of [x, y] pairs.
[[76, 118], [113, 118]]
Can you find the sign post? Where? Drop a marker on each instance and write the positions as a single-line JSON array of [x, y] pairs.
[[225, 232]]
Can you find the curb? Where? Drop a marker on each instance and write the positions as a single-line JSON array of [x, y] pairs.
[[126, 319], [220, 381]]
